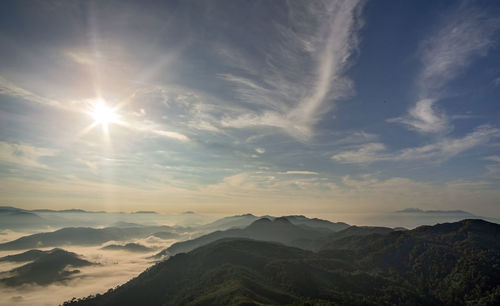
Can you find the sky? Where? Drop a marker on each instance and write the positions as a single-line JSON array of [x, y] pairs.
[[268, 107]]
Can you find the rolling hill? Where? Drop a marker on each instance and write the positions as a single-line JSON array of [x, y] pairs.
[[47, 267], [276, 230], [447, 264], [82, 236]]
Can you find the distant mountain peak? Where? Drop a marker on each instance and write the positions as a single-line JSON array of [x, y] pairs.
[[245, 215], [282, 220], [421, 211], [261, 221], [459, 225], [296, 216], [410, 210]]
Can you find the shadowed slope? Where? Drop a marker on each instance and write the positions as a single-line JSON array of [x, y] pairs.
[[47, 267], [277, 230], [447, 264]]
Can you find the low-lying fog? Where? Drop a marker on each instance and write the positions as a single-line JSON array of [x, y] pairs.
[[112, 268], [119, 263]]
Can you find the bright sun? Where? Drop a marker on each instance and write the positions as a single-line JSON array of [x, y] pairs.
[[103, 115]]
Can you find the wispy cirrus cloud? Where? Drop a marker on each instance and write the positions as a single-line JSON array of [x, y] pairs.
[[365, 153], [494, 158], [260, 150], [424, 118], [465, 35], [301, 172], [24, 154], [468, 33], [438, 151], [8, 88], [171, 134], [292, 95]]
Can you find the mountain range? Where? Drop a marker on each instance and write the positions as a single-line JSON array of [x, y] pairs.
[[83, 236], [291, 230], [446, 264], [18, 219]]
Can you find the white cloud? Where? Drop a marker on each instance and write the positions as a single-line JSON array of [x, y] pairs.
[[363, 194], [173, 135], [467, 33], [423, 118], [300, 172], [295, 99], [367, 153], [81, 57], [494, 158], [260, 150], [24, 154], [356, 137], [10, 89], [92, 166], [438, 151]]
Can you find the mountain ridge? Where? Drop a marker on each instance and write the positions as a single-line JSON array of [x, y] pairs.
[[435, 270]]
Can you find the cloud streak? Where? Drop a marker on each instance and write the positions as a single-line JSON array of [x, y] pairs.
[[24, 154], [301, 172], [424, 118], [494, 158], [326, 35], [438, 151], [467, 33], [10, 89]]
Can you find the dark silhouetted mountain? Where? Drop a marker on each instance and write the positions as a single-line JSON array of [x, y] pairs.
[[318, 223], [144, 212], [414, 217], [130, 247], [10, 209], [400, 228], [437, 212], [47, 267], [351, 231], [238, 221], [277, 230], [26, 256], [81, 236], [73, 210], [166, 235], [15, 218], [41, 219], [320, 242], [126, 224], [447, 264], [430, 217]]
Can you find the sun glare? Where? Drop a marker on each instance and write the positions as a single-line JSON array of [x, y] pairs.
[[103, 115]]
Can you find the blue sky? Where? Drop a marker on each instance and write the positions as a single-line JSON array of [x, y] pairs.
[[251, 106]]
